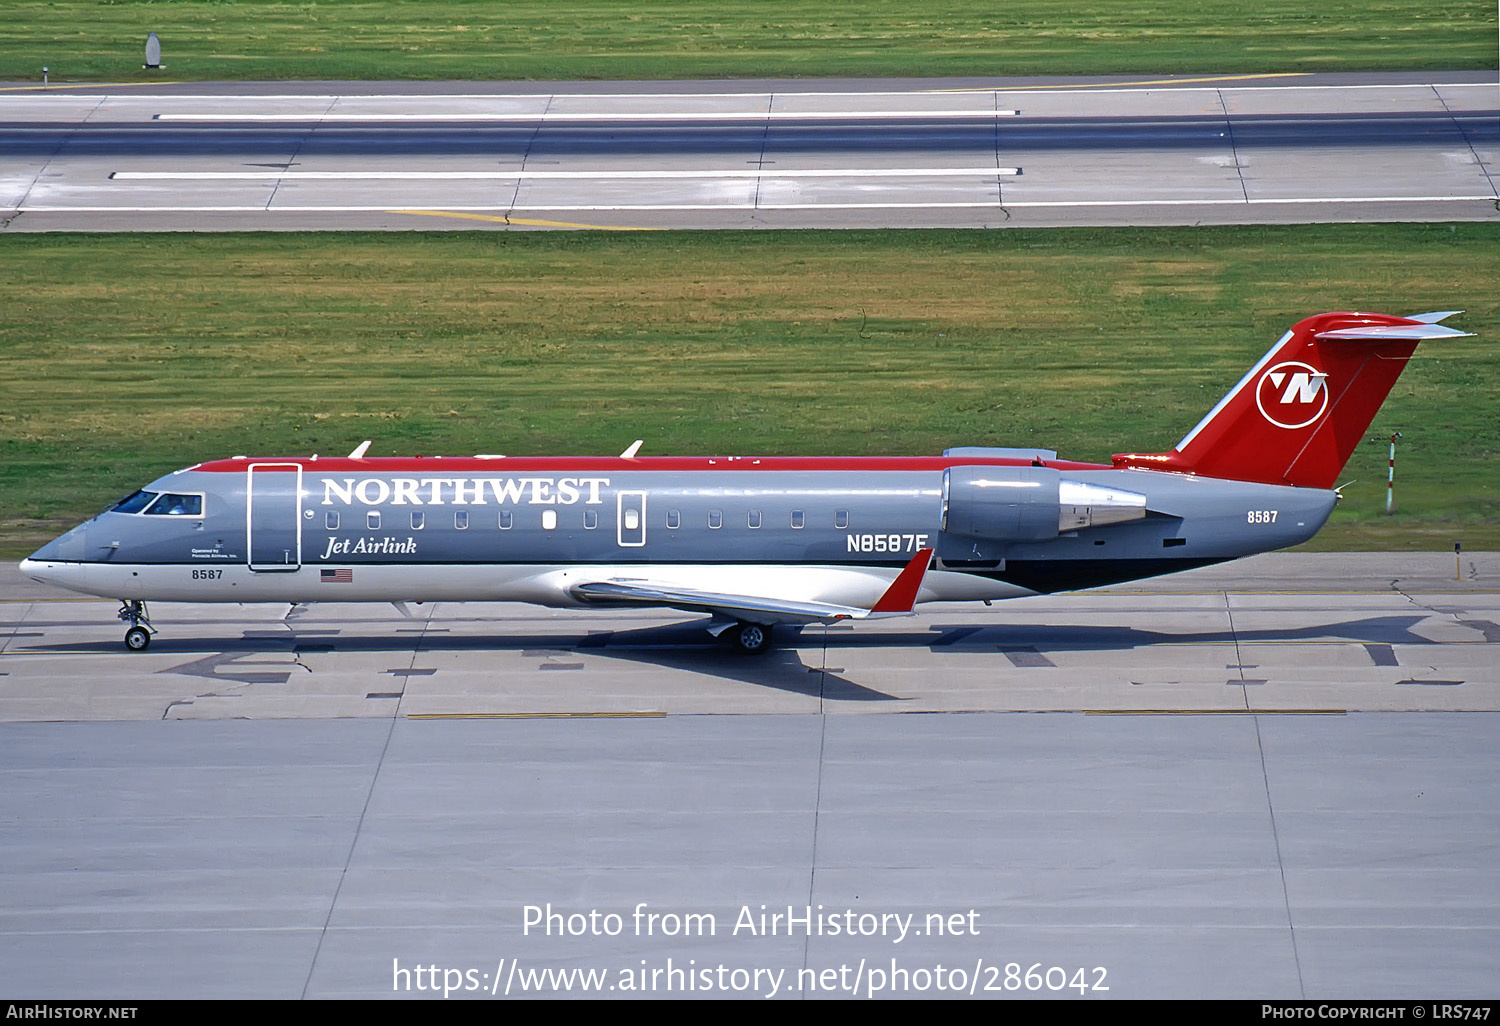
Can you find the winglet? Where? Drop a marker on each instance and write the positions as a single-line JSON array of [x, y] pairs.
[[901, 596]]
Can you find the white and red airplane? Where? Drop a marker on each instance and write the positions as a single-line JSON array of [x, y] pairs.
[[754, 542]]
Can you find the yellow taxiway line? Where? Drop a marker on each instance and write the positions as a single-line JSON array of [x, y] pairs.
[[527, 222], [1129, 85], [81, 85]]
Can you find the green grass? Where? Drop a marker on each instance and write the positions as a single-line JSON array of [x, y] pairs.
[[124, 356], [83, 40]]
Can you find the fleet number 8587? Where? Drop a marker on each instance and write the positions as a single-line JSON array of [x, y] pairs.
[[1260, 516]]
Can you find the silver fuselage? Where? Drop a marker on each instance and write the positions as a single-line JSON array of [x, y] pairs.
[[532, 530]]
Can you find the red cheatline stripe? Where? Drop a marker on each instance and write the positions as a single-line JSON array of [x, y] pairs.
[[433, 465]]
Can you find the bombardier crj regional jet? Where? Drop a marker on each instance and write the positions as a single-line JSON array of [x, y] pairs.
[[754, 542]]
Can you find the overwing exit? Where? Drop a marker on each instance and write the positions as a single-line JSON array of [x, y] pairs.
[[754, 542]]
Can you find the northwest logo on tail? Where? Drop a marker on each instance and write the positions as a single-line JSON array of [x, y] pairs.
[[1292, 394]]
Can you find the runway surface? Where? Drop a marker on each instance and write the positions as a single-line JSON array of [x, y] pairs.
[[1269, 857], [716, 155]]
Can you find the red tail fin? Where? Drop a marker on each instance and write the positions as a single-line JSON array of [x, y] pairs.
[[1297, 416]]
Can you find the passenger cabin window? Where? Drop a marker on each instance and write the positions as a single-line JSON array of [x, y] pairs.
[[461, 520], [674, 519], [418, 521], [754, 519], [590, 519], [841, 518], [549, 519], [134, 502], [506, 519], [170, 505], [799, 519], [331, 520], [715, 519], [372, 520]]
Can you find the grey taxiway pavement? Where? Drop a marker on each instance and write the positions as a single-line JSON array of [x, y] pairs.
[[1273, 779], [1310, 632], [1215, 149]]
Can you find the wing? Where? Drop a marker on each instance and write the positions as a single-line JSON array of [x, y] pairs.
[[897, 600]]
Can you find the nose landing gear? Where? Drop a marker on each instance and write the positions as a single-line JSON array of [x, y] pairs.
[[133, 612]]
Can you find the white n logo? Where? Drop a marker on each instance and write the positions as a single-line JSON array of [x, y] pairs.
[[1296, 390], [1303, 387]]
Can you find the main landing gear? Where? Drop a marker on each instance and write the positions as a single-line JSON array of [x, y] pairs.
[[133, 612], [750, 638]]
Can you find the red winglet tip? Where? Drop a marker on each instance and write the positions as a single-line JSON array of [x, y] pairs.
[[901, 596]]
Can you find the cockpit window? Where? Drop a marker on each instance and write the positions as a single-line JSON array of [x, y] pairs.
[[134, 502], [177, 506]]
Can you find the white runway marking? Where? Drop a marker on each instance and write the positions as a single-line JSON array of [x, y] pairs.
[[763, 115], [418, 176]]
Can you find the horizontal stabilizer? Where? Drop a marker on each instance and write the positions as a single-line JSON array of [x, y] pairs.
[[1403, 332]]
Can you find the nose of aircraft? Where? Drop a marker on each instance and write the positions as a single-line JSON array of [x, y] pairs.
[[60, 561], [66, 548]]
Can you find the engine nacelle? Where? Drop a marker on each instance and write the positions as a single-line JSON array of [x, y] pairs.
[[987, 509]]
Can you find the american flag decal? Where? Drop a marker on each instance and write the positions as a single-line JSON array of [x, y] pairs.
[[343, 575]]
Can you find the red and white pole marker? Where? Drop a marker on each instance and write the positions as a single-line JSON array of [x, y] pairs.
[[1390, 479]]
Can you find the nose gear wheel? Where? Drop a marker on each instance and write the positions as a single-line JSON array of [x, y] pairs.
[[133, 612]]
